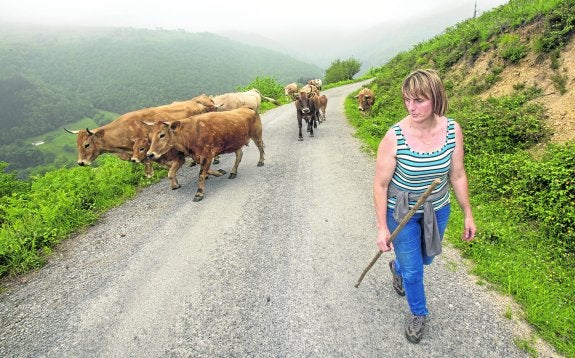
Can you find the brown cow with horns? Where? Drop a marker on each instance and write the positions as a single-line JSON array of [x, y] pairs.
[[206, 135]]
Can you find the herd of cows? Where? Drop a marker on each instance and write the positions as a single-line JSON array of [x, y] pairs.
[[201, 128]]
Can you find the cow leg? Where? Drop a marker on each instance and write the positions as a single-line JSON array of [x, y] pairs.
[[310, 127], [260, 144], [234, 172], [299, 123], [176, 165], [148, 168], [204, 169]]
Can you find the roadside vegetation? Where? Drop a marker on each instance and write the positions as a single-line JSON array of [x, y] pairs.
[[521, 184]]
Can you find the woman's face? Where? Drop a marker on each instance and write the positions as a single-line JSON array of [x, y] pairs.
[[419, 108]]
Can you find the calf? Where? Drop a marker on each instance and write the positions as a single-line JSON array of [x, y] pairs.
[[204, 136], [173, 160]]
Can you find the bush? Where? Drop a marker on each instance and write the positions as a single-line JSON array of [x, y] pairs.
[[511, 49], [56, 205]]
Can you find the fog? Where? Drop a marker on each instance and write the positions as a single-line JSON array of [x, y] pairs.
[[268, 18], [313, 31]]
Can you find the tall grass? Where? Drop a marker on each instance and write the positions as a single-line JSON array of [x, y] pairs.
[[37, 216]]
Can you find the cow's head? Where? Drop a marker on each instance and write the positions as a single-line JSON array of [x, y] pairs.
[[207, 102], [365, 100], [161, 136], [140, 149], [89, 145]]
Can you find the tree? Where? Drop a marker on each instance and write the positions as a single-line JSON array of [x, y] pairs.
[[342, 70]]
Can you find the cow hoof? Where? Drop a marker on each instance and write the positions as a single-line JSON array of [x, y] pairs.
[[216, 161], [221, 171], [174, 187], [198, 197], [300, 139], [192, 164], [311, 135], [232, 176], [260, 164]]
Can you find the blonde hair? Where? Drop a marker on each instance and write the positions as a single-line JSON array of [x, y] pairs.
[[426, 84]]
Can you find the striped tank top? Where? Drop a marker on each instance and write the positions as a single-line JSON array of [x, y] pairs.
[[415, 171]]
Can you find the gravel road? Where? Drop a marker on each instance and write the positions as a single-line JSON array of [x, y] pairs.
[[264, 266]]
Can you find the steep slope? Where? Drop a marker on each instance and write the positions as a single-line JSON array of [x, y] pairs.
[[534, 71]]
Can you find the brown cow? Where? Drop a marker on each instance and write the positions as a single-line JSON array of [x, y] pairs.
[[291, 91], [365, 100], [117, 136], [307, 107], [322, 107], [206, 135]]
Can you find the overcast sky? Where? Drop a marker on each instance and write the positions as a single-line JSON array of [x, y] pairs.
[[269, 17]]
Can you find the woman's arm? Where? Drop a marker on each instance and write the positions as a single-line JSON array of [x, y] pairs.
[[384, 168], [458, 179]]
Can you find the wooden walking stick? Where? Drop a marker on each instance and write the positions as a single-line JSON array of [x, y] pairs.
[[402, 223]]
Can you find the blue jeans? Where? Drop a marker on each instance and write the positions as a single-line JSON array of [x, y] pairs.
[[410, 258]]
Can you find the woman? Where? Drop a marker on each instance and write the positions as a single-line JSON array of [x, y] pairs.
[[421, 147]]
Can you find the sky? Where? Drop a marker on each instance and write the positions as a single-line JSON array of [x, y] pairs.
[[270, 17]]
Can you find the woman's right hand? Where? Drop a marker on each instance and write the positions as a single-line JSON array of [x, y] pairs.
[[383, 240]]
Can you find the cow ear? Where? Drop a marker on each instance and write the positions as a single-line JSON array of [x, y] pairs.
[[100, 133], [356, 96]]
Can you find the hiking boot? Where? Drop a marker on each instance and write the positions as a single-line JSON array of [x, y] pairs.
[[397, 281], [414, 328]]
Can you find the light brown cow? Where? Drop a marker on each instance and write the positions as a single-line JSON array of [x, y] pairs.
[[322, 107], [291, 91], [206, 135], [315, 82], [117, 136], [309, 89], [252, 98], [365, 100]]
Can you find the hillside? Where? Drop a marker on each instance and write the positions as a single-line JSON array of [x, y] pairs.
[[74, 71], [534, 71]]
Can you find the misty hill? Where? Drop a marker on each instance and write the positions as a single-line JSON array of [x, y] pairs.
[[53, 76], [372, 47]]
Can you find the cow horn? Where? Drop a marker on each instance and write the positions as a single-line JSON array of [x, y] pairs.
[[69, 131], [89, 132]]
